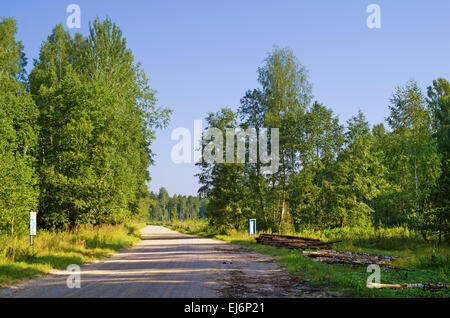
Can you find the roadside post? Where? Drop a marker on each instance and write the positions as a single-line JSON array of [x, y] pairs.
[[32, 226], [252, 227]]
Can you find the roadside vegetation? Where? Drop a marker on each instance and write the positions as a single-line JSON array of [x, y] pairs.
[[76, 134], [55, 250], [75, 138], [76, 131], [330, 175], [379, 187], [417, 262]]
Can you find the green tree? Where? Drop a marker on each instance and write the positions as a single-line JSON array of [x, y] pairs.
[[439, 104], [222, 183], [414, 154], [18, 114], [98, 117], [286, 94], [320, 139], [359, 176], [252, 112], [163, 199]]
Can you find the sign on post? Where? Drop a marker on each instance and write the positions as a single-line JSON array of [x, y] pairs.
[[252, 227], [32, 226]]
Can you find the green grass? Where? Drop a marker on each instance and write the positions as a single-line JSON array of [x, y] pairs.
[[57, 250], [426, 263]]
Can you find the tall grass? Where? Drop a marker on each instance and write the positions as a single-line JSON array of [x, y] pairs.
[[398, 238], [56, 250]]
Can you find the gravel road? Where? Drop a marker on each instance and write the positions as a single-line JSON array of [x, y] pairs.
[[168, 264]]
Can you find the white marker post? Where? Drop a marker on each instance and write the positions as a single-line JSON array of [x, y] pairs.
[[252, 227], [32, 226]]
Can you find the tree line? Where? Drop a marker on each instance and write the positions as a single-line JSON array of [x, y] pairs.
[[177, 207], [332, 175], [76, 131]]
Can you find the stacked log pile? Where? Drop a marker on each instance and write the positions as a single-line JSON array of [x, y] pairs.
[[293, 242], [324, 252], [354, 258]]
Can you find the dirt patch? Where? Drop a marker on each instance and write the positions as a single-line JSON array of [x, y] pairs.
[[247, 274]]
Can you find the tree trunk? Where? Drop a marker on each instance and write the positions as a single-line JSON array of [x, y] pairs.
[[283, 201], [373, 214], [12, 226], [260, 195], [417, 201]]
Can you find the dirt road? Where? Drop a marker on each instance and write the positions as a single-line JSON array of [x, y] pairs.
[[173, 265]]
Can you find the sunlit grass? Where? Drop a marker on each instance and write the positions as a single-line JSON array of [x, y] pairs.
[[57, 250]]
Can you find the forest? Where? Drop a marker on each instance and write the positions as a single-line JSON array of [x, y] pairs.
[[76, 131], [177, 207], [77, 134], [358, 176], [348, 202]]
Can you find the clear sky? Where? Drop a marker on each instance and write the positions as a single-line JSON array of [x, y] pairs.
[[203, 55]]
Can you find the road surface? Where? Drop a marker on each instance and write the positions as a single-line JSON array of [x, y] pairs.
[[168, 264]]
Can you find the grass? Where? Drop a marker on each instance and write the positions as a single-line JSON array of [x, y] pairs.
[[417, 262], [57, 250]]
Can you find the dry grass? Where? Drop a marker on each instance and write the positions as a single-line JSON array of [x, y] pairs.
[[57, 250]]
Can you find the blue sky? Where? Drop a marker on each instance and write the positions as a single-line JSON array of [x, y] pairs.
[[203, 55]]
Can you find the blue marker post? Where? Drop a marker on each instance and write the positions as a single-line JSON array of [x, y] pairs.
[[252, 227]]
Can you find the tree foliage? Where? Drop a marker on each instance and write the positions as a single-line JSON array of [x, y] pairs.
[[332, 175], [18, 131], [98, 116], [81, 126], [77, 135], [177, 207]]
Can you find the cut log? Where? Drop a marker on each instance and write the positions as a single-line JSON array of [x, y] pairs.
[[285, 237], [296, 245], [398, 286]]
